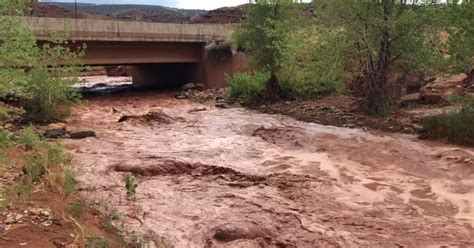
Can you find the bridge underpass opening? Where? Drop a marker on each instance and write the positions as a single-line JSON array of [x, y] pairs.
[[165, 75]]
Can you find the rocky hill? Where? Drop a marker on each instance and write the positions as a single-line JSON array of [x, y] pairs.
[[49, 10], [146, 13], [223, 15]]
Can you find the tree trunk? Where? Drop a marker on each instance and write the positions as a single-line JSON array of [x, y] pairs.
[[272, 89], [378, 94]]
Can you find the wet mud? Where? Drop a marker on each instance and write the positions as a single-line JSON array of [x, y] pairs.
[[212, 177]]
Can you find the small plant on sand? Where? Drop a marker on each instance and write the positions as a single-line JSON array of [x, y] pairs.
[[56, 155], [97, 242], [136, 241], [69, 183], [109, 219], [4, 199], [130, 185], [5, 140], [34, 169], [29, 138], [76, 209]]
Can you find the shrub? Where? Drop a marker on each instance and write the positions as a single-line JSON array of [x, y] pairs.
[[109, 220], [4, 200], [69, 183], [247, 88], [219, 51], [456, 127], [29, 138], [5, 140], [97, 242], [130, 185], [76, 209], [57, 156], [310, 82], [34, 169], [48, 98]]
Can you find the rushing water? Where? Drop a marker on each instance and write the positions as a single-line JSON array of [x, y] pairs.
[[212, 177]]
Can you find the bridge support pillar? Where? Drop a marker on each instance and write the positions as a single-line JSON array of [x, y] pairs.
[[212, 74]]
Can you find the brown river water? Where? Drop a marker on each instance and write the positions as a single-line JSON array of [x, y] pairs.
[[211, 177]]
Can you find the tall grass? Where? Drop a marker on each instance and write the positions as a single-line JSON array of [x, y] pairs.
[[455, 127]]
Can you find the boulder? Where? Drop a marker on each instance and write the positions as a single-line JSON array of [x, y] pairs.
[[441, 89], [56, 126], [82, 134], [55, 131], [410, 99], [9, 127], [188, 86], [221, 105], [413, 82], [432, 97], [199, 87]]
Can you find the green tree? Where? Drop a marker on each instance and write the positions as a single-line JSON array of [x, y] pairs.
[[380, 35], [461, 35], [265, 36], [40, 75]]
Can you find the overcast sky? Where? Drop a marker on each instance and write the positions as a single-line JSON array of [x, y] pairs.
[[185, 4]]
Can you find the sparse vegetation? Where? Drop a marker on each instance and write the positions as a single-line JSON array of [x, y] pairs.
[[457, 127], [28, 138], [219, 51], [97, 242], [76, 209], [109, 220], [130, 185], [5, 140], [43, 161], [69, 183]]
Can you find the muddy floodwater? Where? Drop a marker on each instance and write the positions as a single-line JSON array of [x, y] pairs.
[[211, 177]]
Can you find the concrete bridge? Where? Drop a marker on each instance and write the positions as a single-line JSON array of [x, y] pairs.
[[159, 53]]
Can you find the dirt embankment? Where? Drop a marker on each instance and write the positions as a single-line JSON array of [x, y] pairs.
[[211, 177], [422, 98]]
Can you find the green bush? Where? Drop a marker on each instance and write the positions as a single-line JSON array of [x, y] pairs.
[[5, 140], [247, 88], [49, 98], [29, 138], [130, 185], [4, 199], [76, 209], [56, 155], [310, 82], [456, 127], [70, 182], [97, 242]]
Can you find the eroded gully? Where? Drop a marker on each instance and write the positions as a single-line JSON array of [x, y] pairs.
[[212, 177]]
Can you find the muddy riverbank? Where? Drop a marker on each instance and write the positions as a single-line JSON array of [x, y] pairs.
[[212, 177]]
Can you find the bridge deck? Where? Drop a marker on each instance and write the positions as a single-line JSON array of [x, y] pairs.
[[105, 30]]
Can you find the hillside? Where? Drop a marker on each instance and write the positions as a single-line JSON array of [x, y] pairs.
[[47, 10], [223, 15], [151, 13]]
